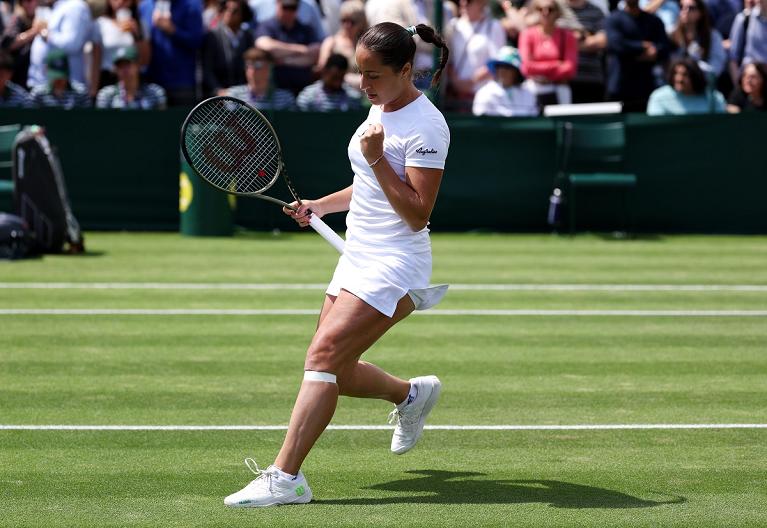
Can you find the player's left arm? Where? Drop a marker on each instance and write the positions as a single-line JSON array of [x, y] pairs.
[[412, 199]]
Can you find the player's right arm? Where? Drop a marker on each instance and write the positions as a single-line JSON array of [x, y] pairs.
[[332, 203]]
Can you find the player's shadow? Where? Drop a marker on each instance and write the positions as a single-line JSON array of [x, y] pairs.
[[463, 487]]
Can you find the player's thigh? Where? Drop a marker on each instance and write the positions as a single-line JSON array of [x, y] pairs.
[[349, 328], [326, 306]]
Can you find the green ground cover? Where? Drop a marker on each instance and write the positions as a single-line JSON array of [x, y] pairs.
[[497, 370]]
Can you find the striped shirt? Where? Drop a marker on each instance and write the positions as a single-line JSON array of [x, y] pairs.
[[15, 96], [314, 98], [276, 99], [148, 97], [75, 96], [590, 62]]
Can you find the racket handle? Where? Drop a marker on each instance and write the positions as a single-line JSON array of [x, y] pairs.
[[327, 233]]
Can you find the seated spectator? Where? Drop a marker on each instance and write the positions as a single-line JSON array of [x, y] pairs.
[[117, 28], [751, 93], [68, 28], [18, 36], [11, 94], [293, 46], [223, 47], [473, 38], [307, 13], [588, 85], [61, 91], [259, 90], [694, 37], [637, 47], [330, 93], [687, 92], [344, 42], [129, 93], [176, 36], [505, 95], [549, 56], [748, 38]]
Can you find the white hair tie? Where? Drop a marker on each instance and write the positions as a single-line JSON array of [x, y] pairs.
[[411, 30]]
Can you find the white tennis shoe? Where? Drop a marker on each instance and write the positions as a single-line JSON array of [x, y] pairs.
[[270, 489], [411, 418]]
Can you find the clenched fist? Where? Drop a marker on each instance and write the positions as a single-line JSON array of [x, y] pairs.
[[372, 143]]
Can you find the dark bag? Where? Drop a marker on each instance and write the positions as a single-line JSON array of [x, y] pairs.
[[40, 196], [16, 240]]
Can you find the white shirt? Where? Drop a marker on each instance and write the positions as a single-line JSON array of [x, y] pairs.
[[108, 35], [495, 100], [69, 28], [472, 44], [415, 136]]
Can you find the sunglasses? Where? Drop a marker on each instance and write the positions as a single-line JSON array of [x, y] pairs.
[[290, 7]]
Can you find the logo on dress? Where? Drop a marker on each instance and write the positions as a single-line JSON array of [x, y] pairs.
[[424, 152]]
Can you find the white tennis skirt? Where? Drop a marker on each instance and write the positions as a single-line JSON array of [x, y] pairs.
[[381, 279]]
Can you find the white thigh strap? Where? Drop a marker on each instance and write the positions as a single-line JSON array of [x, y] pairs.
[[327, 377]]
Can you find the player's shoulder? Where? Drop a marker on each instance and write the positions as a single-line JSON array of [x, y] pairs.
[[427, 115]]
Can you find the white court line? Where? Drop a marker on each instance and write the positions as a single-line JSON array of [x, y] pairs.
[[502, 313], [579, 427], [309, 286]]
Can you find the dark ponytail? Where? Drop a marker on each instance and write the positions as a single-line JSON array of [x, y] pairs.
[[430, 36], [396, 46]]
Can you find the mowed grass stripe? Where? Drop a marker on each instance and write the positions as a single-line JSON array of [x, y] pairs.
[[311, 299], [333, 427], [222, 370], [313, 287], [431, 312]]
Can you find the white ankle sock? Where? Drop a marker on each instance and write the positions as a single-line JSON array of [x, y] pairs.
[[411, 396], [282, 474]]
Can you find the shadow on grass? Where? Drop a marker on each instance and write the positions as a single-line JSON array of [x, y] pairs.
[[452, 487]]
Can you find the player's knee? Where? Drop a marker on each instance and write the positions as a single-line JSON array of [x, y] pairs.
[[323, 355]]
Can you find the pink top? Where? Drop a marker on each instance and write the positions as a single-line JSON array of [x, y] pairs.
[[543, 55]]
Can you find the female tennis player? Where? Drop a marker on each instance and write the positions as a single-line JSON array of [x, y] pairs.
[[397, 155]]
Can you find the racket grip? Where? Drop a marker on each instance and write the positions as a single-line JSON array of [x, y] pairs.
[[327, 233]]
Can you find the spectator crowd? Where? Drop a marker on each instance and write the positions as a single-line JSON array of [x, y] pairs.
[[507, 57]]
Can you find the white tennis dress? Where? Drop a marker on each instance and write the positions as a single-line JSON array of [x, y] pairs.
[[383, 258]]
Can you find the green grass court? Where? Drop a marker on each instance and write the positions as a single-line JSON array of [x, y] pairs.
[[693, 351]]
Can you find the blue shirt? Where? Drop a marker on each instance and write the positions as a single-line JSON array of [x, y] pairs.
[[292, 78], [627, 77], [753, 44], [308, 13], [174, 56], [667, 101]]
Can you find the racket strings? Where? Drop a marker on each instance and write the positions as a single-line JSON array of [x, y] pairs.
[[232, 147]]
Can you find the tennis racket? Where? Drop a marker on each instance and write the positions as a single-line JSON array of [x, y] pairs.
[[234, 148]]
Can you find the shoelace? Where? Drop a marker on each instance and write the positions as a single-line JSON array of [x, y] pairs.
[[262, 474], [402, 419]]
